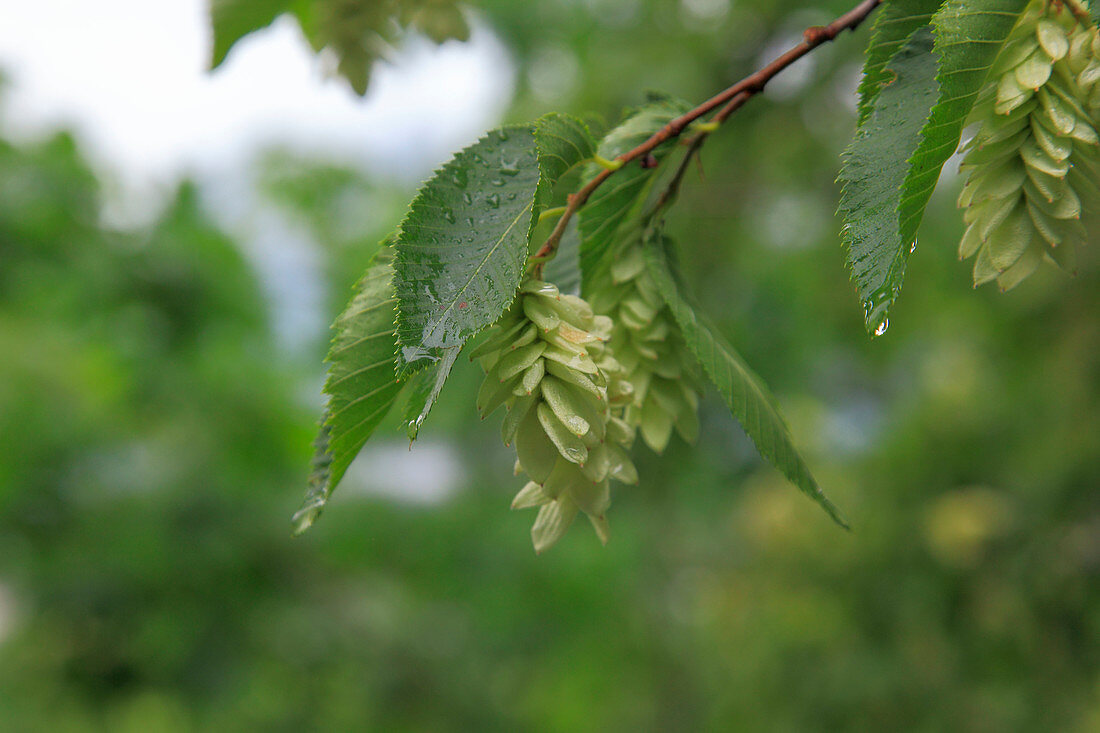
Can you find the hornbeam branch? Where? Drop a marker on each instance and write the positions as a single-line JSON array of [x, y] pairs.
[[726, 102]]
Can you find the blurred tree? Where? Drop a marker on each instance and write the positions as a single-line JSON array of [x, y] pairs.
[[151, 452]]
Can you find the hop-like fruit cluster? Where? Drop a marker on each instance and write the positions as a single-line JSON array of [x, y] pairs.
[[1034, 158], [650, 349], [548, 363]]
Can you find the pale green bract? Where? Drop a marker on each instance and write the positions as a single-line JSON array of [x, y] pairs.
[[1033, 164], [547, 363]]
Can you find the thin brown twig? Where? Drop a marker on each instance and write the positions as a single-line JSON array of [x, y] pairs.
[[726, 101]]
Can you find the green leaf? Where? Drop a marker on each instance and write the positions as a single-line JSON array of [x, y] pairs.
[[743, 392], [622, 194], [876, 165], [560, 143], [424, 390], [896, 21], [563, 141], [362, 382], [463, 245], [969, 35], [318, 488], [231, 20]]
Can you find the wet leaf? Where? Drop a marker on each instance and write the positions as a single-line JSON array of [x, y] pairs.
[[362, 382], [744, 393], [463, 245]]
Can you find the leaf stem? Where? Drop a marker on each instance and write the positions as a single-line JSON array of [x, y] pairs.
[[547, 213], [726, 102]]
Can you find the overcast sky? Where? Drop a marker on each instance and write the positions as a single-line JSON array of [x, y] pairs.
[[130, 76]]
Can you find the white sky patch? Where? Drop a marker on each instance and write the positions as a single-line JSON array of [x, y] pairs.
[[129, 76], [428, 472]]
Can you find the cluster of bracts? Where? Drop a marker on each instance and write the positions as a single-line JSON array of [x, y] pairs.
[[1032, 168], [579, 383]]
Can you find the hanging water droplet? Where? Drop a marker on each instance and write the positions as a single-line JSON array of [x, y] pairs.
[[882, 327], [913, 247], [493, 200]]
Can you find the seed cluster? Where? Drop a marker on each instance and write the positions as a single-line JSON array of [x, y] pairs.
[[548, 363], [648, 345], [1035, 157]]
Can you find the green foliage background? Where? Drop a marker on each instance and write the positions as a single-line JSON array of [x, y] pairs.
[[154, 442]]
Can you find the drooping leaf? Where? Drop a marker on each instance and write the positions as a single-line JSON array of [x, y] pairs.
[[231, 20], [876, 165], [743, 391], [362, 381], [895, 22], [463, 245], [424, 389], [969, 35], [612, 203], [318, 488]]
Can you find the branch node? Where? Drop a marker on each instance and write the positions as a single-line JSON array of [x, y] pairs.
[[816, 35]]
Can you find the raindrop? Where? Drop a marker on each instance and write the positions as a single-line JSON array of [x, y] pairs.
[[503, 135], [882, 327], [509, 168], [913, 247], [497, 182], [449, 215], [467, 198], [493, 200], [459, 177]]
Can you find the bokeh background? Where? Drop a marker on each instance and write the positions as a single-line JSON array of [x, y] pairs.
[[173, 244]]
